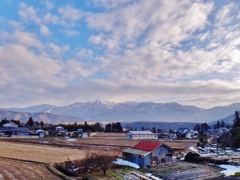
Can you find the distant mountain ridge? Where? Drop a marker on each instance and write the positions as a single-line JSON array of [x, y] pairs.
[[98, 111], [42, 116], [34, 109]]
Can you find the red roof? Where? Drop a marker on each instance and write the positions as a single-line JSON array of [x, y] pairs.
[[147, 145]]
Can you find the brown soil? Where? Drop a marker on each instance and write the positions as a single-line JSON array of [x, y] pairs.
[[19, 170]]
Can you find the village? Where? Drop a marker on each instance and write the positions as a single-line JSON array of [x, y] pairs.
[[165, 155]]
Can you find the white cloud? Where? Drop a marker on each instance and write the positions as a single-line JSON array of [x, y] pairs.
[[110, 4], [96, 39], [70, 32], [50, 18], [48, 4], [23, 38], [57, 49], [224, 15], [70, 13], [44, 30], [28, 13], [84, 53], [185, 51], [159, 21]]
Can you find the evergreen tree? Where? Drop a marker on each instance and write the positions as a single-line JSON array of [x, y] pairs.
[[108, 128], [218, 125], [204, 128], [42, 124], [30, 122], [236, 121], [235, 131], [37, 123], [119, 127], [222, 124]]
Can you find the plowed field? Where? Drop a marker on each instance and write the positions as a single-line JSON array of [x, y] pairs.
[[19, 170]]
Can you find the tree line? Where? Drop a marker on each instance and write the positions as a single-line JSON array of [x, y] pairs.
[[96, 127], [4, 121]]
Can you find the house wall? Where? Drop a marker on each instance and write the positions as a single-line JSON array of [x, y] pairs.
[[141, 161], [163, 154], [140, 136]]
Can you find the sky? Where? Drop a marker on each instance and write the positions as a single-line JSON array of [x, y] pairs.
[[60, 52]]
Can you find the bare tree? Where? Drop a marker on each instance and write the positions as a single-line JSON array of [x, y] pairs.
[[102, 158]]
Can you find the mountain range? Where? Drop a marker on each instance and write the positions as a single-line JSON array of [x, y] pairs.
[[97, 111]]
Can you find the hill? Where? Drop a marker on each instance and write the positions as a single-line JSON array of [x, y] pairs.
[[98, 111]]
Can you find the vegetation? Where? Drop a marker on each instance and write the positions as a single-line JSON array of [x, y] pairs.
[[95, 160], [202, 128], [114, 127], [96, 127], [224, 140], [12, 120], [202, 140], [235, 131], [220, 124]]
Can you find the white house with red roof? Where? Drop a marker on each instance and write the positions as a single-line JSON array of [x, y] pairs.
[[146, 153]]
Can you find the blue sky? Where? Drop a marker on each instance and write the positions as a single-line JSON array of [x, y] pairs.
[[60, 52]]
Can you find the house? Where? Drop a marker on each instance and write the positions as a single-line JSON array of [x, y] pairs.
[[192, 134], [59, 130], [10, 125], [183, 130], [133, 135], [147, 153]]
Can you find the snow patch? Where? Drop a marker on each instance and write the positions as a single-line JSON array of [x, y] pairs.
[[126, 163], [230, 169], [152, 176]]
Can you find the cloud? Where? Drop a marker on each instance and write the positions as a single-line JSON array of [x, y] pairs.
[[109, 4], [70, 13], [70, 33], [224, 16], [98, 39], [84, 53], [50, 18], [130, 50], [142, 21], [29, 77], [44, 30], [57, 50], [28, 13], [22, 38], [49, 5]]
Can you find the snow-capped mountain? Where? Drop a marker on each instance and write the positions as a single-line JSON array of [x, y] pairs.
[[135, 111]]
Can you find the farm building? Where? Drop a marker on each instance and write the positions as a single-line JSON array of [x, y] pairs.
[[132, 135], [10, 125], [146, 153]]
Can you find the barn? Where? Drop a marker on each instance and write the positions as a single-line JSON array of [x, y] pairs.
[[133, 135], [147, 153]]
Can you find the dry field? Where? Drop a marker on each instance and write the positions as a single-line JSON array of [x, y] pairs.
[[19, 170], [39, 153], [28, 158], [118, 139]]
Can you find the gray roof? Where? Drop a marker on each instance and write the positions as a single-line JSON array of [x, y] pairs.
[[136, 151], [141, 132]]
